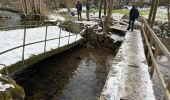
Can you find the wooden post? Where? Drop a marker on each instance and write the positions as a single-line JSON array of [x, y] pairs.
[[168, 86], [155, 55], [151, 42], [144, 32], [104, 25], [23, 51], [45, 44]]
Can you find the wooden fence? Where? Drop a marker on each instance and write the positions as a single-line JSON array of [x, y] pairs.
[[153, 46]]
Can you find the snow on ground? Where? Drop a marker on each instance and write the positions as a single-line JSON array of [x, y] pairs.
[[129, 77], [72, 9], [53, 17], [87, 22], [117, 16], [3, 86], [117, 37], [13, 38]]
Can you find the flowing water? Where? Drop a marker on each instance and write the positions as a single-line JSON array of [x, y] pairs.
[[76, 74]]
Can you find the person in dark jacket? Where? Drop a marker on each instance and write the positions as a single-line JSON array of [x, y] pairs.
[[133, 15], [79, 9]]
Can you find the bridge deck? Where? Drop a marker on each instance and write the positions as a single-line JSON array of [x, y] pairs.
[[129, 78]]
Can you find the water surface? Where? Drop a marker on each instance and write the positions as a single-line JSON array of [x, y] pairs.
[[77, 74]]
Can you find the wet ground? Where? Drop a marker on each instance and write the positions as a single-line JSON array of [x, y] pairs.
[[77, 74]]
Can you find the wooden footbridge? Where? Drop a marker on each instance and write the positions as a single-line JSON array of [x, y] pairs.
[[131, 75]]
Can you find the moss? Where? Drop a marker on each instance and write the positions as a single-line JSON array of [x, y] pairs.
[[36, 58], [13, 93]]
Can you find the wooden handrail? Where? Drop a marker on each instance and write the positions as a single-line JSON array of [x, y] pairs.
[[156, 66], [155, 40]]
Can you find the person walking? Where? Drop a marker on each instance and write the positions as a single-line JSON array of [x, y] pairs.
[[133, 15], [79, 10], [87, 10]]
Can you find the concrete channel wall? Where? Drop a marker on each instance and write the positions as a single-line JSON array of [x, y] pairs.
[[34, 59]]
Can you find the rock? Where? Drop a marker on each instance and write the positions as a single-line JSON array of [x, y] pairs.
[[9, 90], [99, 40]]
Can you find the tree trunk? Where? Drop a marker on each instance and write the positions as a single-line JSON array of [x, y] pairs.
[[169, 13], [100, 9], [152, 13], [25, 7], [105, 7], [109, 13], [68, 3], [32, 2]]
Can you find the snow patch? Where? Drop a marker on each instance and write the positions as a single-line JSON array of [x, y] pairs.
[[12, 38], [3, 86], [87, 22], [55, 18], [117, 37]]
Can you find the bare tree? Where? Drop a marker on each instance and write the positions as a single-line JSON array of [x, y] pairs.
[[168, 12], [109, 13], [100, 8]]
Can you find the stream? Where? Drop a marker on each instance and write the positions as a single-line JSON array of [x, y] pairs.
[[76, 74]]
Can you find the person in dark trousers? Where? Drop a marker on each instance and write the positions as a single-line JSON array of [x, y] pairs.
[[79, 9], [133, 15], [87, 10]]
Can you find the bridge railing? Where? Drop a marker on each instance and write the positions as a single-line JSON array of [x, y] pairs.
[[153, 46], [24, 44]]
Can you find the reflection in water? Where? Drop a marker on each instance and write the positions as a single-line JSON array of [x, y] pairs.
[[77, 74], [9, 19]]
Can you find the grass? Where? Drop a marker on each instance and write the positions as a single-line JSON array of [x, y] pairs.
[[125, 11]]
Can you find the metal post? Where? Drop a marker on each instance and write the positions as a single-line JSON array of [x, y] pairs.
[[45, 44], [23, 51], [69, 38], [59, 38], [76, 37]]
